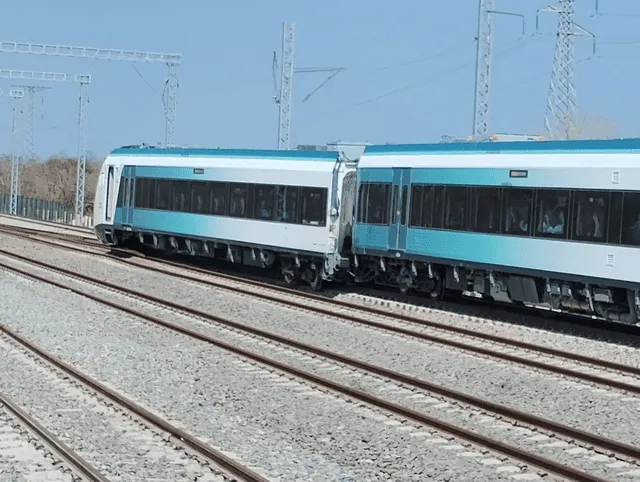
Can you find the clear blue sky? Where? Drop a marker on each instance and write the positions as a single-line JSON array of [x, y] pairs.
[[225, 95]]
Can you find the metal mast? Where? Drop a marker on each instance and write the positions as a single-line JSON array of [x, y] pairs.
[[486, 13], [483, 68], [561, 108], [284, 97], [29, 119], [82, 145], [84, 80], [171, 60], [15, 159], [286, 86]]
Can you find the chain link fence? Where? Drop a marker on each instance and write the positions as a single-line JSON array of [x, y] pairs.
[[44, 210]]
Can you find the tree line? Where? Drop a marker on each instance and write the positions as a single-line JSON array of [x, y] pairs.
[[53, 179]]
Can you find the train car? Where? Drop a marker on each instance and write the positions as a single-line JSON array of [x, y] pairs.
[[553, 224], [288, 209]]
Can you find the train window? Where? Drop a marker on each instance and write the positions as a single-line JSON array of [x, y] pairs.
[[517, 212], [287, 204], [180, 196], [362, 202], [455, 207], [163, 194], [394, 206], [377, 204], [238, 200], [142, 193], [405, 203], [264, 200], [589, 216], [428, 203], [615, 218], [314, 206], [417, 194], [218, 198], [485, 209], [631, 219], [120, 200], [151, 200], [438, 206], [199, 192], [552, 213]]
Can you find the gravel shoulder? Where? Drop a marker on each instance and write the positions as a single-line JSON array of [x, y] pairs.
[[285, 432]]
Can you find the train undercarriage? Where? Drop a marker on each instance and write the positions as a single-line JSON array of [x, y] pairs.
[[295, 268], [437, 280]]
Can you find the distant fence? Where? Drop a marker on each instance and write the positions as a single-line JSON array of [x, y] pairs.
[[45, 210]]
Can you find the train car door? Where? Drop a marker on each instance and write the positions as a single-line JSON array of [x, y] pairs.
[[128, 178], [399, 209]]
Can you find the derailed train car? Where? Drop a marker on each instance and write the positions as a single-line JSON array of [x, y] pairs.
[[289, 209], [543, 223]]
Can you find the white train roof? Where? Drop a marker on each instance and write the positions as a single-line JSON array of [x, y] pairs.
[[316, 161], [617, 153]]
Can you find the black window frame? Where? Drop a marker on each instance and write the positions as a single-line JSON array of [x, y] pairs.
[[462, 198], [306, 192], [269, 198], [583, 195], [482, 197], [163, 188], [506, 199], [630, 217], [194, 187], [180, 188], [233, 186], [547, 202]]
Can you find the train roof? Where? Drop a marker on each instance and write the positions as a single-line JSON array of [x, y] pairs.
[[517, 147], [189, 152]]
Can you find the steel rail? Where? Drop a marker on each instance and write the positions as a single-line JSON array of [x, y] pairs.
[[528, 457], [75, 461]]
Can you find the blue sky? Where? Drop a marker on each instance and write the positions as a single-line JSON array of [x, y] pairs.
[[421, 53]]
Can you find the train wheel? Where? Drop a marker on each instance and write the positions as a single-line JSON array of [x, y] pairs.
[[404, 281], [316, 277], [437, 292]]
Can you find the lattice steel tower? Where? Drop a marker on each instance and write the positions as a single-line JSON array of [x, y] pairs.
[[286, 86], [486, 15], [284, 95], [560, 115]]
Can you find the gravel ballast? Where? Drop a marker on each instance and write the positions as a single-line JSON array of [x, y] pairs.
[[23, 457], [592, 409], [114, 444], [280, 428]]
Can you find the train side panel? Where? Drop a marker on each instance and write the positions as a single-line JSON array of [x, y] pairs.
[[458, 227], [253, 207]]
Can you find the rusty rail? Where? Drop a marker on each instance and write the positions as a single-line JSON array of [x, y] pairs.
[[534, 459], [75, 461]]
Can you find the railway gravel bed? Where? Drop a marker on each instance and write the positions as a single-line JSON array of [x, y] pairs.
[[525, 439], [23, 456], [590, 461], [292, 434], [120, 447], [596, 410]]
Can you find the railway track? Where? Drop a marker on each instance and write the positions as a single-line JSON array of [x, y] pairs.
[[418, 389], [35, 451], [210, 460], [564, 363]]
